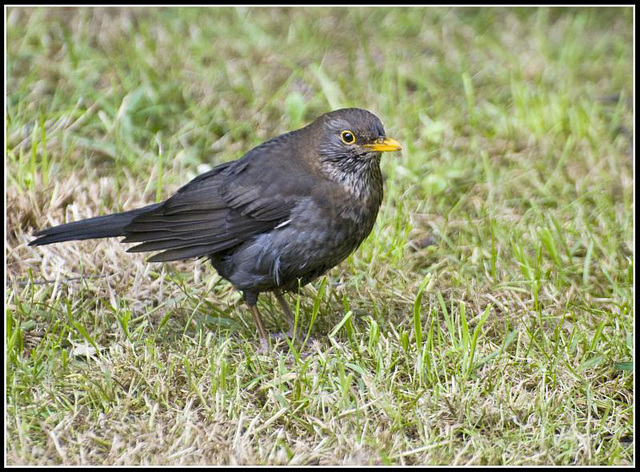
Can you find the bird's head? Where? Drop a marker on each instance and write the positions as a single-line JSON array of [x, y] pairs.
[[351, 138]]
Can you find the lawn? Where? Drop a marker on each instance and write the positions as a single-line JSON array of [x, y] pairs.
[[487, 319]]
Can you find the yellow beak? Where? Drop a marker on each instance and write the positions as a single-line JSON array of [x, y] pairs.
[[384, 145]]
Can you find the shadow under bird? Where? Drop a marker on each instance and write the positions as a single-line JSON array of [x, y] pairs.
[[283, 214]]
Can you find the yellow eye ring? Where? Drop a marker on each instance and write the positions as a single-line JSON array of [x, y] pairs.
[[348, 137]]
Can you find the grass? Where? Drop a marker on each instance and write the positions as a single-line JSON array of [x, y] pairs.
[[488, 319]]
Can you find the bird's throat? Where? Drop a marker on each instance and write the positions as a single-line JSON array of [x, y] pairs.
[[361, 178]]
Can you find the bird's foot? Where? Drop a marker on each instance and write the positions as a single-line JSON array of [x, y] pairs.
[[286, 340], [279, 344]]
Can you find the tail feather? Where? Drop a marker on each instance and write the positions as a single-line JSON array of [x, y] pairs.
[[107, 226]]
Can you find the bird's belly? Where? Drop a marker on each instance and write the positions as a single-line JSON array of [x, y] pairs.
[[295, 252], [312, 251]]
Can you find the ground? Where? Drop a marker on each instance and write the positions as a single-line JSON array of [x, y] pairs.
[[488, 318]]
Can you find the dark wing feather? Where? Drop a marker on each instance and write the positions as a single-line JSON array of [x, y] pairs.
[[221, 208]]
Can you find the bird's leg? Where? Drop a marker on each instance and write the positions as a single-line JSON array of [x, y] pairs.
[[251, 298], [264, 340], [291, 318], [257, 319]]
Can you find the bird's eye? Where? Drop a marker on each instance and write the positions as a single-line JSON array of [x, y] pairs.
[[347, 137]]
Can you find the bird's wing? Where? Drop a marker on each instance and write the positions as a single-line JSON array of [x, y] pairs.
[[217, 211]]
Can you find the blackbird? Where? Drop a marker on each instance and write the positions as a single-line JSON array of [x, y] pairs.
[[283, 214]]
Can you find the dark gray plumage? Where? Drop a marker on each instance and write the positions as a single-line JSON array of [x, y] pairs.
[[283, 214]]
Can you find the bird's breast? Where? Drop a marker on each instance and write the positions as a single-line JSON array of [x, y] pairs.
[[321, 231]]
